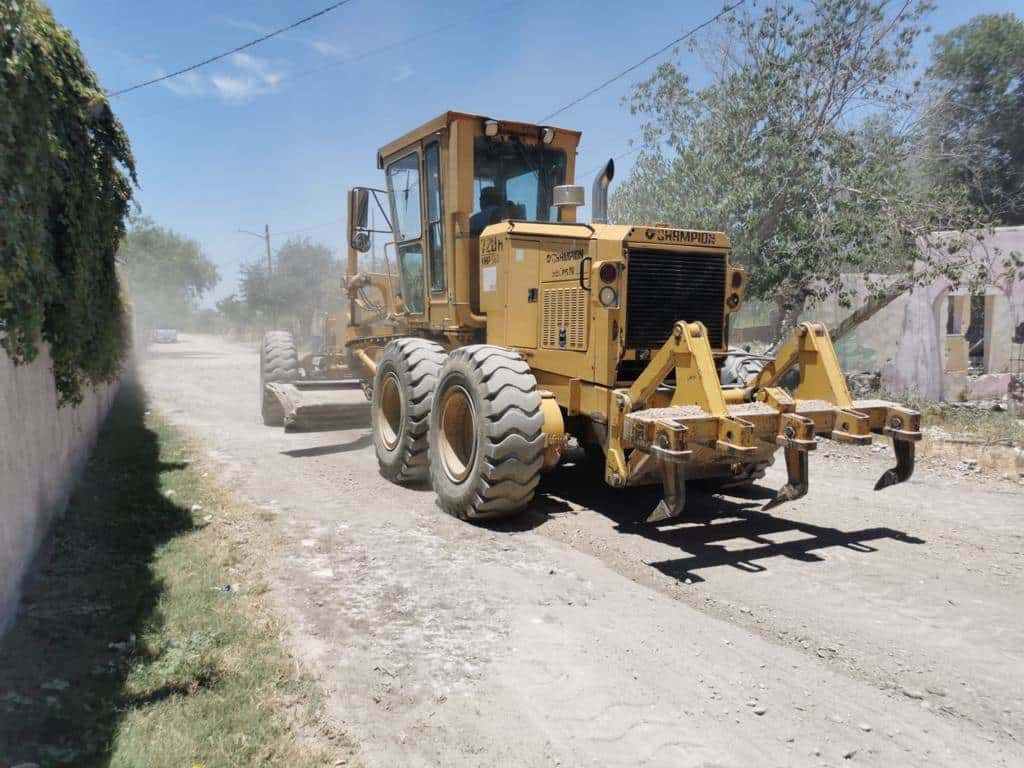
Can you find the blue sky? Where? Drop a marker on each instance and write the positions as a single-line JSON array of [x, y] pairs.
[[277, 134]]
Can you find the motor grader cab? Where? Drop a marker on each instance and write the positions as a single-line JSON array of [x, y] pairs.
[[504, 326]]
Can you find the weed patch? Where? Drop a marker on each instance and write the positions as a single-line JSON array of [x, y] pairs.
[[128, 650]]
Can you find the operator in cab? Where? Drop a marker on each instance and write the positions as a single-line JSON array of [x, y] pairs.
[[489, 213]]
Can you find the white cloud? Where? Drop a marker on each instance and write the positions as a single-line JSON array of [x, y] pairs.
[[240, 79], [323, 47], [251, 77], [403, 72], [188, 84]]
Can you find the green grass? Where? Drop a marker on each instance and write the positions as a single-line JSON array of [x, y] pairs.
[[128, 652]]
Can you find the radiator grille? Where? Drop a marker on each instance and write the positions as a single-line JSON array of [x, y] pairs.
[[663, 287], [564, 318]]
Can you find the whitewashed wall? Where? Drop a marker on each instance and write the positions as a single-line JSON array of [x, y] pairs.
[[43, 450]]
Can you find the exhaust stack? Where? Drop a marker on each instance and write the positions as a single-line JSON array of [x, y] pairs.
[[599, 197]]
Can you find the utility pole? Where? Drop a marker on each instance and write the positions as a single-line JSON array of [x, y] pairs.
[[265, 237]]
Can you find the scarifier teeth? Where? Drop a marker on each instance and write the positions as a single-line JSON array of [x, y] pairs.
[[796, 469], [661, 512], [673, 482], [788, 492], [889, 477], [904, 468]]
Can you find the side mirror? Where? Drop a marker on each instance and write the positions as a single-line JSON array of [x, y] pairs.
[[358, 210]]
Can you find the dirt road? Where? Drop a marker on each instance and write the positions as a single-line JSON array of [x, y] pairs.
[[849, 628]]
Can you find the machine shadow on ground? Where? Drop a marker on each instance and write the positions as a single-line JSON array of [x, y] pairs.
[[710, 523], [356, 444], [709, 531]]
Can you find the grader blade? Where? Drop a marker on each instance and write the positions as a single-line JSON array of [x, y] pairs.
[[322, 403]]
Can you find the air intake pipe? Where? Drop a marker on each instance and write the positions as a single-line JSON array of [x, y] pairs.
[[599, 197]]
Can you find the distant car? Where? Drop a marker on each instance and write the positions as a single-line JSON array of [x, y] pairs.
[[164, 336]]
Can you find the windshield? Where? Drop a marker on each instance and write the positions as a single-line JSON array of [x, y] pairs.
[[512, 180]]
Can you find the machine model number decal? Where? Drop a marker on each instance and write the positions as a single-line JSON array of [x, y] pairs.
[[490, 250], [680, 236], [562, 273]]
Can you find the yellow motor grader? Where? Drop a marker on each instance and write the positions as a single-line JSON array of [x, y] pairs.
[[503, 326]]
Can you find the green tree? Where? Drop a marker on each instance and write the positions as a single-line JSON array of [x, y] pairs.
[[260, 301], [803, 149], [66, 170], [166, 273], [977, 122], [235, 313], [306, 279]]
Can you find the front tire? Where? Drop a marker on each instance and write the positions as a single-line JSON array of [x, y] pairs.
[[279, 362], [486, 439], [403, 393]]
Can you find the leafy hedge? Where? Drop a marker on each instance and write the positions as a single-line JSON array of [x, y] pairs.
[[66, 173]]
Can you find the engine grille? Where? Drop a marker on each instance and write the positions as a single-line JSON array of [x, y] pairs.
[[564, 318], [663, 287]]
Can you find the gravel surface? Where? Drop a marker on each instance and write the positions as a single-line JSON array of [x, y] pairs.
[[847, 628]]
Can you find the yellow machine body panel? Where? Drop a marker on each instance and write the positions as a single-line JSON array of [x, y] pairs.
[[559, 292]]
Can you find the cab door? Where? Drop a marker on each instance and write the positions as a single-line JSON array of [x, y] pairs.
[[404, 193], [434, 228]]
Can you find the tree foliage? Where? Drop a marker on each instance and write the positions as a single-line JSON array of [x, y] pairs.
[[166, 274], [804, 148], [977, 122], [65, 184], [305, 279], [234, 311]]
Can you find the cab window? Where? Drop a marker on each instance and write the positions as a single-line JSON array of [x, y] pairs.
[[404, 189], [435, 235], [514, 180]]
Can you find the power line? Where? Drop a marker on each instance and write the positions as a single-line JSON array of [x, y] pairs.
[[399, 43], [642, 61], [220, 56], [596, 168], [300, 75]]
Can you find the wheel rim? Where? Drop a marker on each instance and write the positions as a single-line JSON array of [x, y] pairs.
[[457, 438], [389, 417]]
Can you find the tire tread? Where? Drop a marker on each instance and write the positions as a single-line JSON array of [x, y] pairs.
[[511, 434]]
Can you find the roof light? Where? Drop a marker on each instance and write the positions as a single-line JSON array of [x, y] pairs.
[[490, 128], [547, 135]]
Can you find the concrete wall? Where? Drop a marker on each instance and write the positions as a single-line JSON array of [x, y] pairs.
[[42, 452], [866, 348], [907, 340]]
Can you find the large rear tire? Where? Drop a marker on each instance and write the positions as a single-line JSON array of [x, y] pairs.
[[279, 362], [486, 439], [403, 392]]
